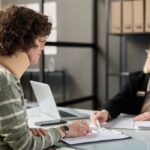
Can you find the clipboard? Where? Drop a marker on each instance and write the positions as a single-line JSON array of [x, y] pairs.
[[97, 135]]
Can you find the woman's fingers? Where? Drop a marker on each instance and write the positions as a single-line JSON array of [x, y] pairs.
[[33, 132], [43, 131], [101, 116], [38, 131], [143, 117]]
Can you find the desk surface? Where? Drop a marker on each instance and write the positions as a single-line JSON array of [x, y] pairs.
[[140, 138]]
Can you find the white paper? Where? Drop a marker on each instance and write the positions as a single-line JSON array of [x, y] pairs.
[[96, 135], [143, 124], [126, 122], [122, 122]]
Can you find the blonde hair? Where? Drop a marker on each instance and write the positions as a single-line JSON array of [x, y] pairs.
[[146, 68]]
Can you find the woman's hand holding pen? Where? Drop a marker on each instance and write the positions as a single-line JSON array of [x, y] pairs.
[[100, 116]]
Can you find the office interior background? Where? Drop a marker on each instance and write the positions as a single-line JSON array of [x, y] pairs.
[[82, 31]]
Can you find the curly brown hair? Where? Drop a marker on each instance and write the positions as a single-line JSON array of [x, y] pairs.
[[19, 28]]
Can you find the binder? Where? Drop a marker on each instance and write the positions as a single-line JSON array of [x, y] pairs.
[[127, 16], [147, 15], [116, 17], [138, 16]]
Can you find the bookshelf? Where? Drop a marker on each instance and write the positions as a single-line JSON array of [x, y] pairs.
[[123, 56]]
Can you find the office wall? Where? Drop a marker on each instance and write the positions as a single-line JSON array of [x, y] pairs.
[[101, 53], [7, 3], [75, 20], [75, 25], [0, 4]]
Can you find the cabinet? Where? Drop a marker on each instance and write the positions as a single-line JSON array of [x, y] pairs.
[[123, 37]]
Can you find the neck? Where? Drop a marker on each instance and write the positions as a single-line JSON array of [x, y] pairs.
[[17, 64]]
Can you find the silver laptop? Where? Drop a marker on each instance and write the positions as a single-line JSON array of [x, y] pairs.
[[48, 106]]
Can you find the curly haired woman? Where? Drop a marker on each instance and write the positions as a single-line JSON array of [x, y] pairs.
[[23, 34]]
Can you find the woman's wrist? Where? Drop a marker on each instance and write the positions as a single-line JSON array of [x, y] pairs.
[[61, 132], [66, 130]]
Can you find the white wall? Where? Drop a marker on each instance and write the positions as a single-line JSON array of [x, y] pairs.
[[0, 4], [75, 25], [75, 20], [6, 3]]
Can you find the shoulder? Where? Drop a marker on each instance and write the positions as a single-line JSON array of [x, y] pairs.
[[4, 78], [137, 75], [138, 79]]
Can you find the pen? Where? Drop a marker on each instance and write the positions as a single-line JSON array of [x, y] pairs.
[[97, 122]]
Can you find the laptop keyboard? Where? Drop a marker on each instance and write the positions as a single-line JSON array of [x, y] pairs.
[[65, 114]]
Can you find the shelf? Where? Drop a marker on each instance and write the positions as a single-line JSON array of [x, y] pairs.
[[32, 70], [125, 74], [70, 44], [122, 56], [131, 34]]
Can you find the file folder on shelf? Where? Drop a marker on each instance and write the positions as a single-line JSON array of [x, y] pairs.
[[138, 16], [147, 15], [116, 17], [127, 16]]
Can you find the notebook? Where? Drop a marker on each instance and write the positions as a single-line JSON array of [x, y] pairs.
[[48, 105]]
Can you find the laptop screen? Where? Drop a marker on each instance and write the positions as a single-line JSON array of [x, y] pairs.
[[45, 99]]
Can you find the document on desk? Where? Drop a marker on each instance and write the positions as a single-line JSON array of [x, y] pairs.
[[126, 122], [122, 122], [97, 135], [143, 125]]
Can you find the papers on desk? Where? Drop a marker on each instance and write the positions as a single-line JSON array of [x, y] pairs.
[[101, 134], [143, 124], [122, 122], [126, 122]]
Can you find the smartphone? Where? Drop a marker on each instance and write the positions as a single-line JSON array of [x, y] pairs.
[[50, 122]]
